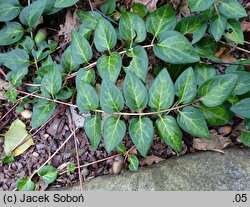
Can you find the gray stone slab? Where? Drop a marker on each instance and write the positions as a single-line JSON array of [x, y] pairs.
[[206, 171]]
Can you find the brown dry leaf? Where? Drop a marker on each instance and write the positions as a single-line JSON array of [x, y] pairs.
[[184, 9], [149, 160], [224, 54], [62, 166], [150, 4], [71, 23], [217, 142], [4, 86]]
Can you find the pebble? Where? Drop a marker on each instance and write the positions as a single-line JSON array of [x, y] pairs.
[[35, 154], [26, 114]]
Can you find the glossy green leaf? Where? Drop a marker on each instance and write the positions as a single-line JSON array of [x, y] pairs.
[[121, 148], [161, 92], [135, 92], [7, 159], [172, 47], [65, 93], [25, 184], [218, 115], [11, 33], [11, 94], [162, 19], [185, 86], [133, 163], [48, 174], [85, 31], [105, 36], [191, 120], [50, 7], [232, 9], [140, 9], [71, 168], [132, 27], [217, 26], [87, 98], [216, 90], [85, 75], [203, 73], [15, 77], [9, 9], [139, 64], [195, 25], [109, 67], [42, 111], [111, 99], [109, 7], [141, 132], [242, 108], [200, 5], [92, 126], [114, 131], [15, 59], [30, 15], [169, 132], [89, 18], [235, 32], [68, 61], [52, 81], [27, 44], [245, 138], [80, 48], [243, 83], [65, 3]]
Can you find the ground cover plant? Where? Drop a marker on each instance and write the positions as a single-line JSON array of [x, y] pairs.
[[104, 69]]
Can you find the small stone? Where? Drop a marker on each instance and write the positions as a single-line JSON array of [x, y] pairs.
[[26, 114], [117, 165], [225, 130], [35, 154]]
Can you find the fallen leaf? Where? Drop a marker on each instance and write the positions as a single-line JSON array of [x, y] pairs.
[[150, 4], [217, 142], [245, 26], [184, 9], [224, 54], [117, 165], [14, 136], [149, 160]]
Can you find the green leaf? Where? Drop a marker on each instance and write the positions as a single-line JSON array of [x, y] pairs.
[[133, 163], [121, 148], [162, 19], [89, 18], [15, 77], [135, 92], [8, 159], [209, 13], [200, 5], [92, 126], [109, 67], [70, 168], [242, 108], [185, 86], [9, 9], [15, 135], [114, 131], [52, 81], [218, 115], [203, 73], [245, 138], [247, 124], [139, 63], [15, 59], [172, 47], [161, 92], [11, 33], [132, 27], [217, 26], [105, 36], [195, 25], [235, 32], [80, 48], [65, 3], [48, 174], [111, 98], [232, 9], [192, 121], [85, 31], [109, 7], [68, 61], [11, 94], [30, 15], [42, 111], [216, 90], [50, 7], [64, 94], [25, 184], [87, 98], [141, 131], [27, 44], [85, 75], [140, 9], [243, 83], [169, 132]]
